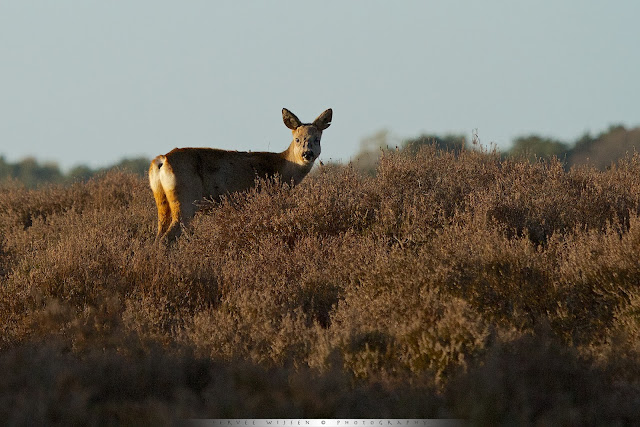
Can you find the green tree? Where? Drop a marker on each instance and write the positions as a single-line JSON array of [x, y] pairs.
[[449, 142], [585, 142], [80, 173], [6, 169], [31, 173], [534, 147], [139, 165]]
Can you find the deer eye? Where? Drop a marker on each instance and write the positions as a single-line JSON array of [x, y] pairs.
[[297, 139]]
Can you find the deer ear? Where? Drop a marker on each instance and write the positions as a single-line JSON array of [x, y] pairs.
[[324, 120], [290, 120]]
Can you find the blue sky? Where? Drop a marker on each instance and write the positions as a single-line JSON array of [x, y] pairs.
[[89, 82]]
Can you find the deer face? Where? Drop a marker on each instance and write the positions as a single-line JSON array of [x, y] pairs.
[[306, 140], [306, 137]]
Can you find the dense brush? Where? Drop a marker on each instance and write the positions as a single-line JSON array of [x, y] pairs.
[[447, 285]]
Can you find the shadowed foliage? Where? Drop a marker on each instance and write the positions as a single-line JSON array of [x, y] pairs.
[[458, 285]]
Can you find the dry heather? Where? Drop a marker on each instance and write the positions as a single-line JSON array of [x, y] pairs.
[[446, 285]]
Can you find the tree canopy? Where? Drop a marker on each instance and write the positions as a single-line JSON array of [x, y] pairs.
[[31, 173]]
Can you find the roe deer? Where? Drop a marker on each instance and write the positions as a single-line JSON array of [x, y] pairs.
[[184, 176]]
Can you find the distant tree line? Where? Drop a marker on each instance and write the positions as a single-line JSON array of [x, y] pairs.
[[373, 146], [31, 173], [599, 151]]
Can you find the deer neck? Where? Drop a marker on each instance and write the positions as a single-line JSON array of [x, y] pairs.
[[293, 168]]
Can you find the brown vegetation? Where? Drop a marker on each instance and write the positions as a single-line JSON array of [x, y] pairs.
[[447, 285], [603, 150]]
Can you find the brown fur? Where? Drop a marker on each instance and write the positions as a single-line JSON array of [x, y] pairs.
[[184, 176]]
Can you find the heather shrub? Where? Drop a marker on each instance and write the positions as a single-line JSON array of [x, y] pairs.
[[445, 285], [597, 277], [536, 380], [541, 199]]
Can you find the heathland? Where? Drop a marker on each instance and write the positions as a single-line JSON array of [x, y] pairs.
[[447, 284]]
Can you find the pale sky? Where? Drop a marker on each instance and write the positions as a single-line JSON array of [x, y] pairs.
[[92, 82]]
